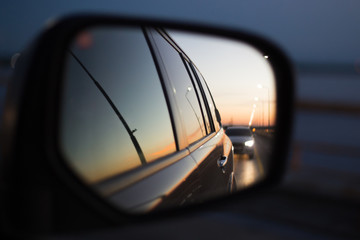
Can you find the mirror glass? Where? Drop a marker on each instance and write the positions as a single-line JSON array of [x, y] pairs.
[[153, 119]]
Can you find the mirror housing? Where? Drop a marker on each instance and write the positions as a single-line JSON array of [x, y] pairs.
[[37, 185]]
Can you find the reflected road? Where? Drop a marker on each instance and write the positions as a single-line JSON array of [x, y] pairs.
[[249, 171]]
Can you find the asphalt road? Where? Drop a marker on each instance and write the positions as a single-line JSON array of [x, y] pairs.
[[249, 171]]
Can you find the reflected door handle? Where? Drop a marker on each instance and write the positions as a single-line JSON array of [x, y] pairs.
[[222, 162]]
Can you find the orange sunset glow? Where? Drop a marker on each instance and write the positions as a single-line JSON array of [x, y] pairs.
[[240, 78]]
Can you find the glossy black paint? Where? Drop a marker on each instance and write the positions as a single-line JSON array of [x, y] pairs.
[[215, 180]]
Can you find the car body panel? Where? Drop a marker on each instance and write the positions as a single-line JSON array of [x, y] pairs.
[[214, 179], [159, 188]]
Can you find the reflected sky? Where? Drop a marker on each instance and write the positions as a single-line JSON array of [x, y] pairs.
[[240, 78]]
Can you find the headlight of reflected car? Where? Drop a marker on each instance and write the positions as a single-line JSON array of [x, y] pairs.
[[249, 143]]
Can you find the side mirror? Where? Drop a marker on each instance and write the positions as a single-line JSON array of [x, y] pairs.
[[107, 117]]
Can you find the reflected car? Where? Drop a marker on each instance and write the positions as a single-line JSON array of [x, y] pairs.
[[188, 160], [242, 139]]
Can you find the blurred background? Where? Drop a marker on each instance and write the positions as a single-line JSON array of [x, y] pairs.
[[320, 37]]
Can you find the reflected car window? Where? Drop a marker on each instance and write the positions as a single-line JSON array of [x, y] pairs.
[[200, 96], [209, 99], [183, 89], [114, 113]]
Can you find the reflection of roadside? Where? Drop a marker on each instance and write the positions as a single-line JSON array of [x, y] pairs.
[[265, 132], [264, 147]]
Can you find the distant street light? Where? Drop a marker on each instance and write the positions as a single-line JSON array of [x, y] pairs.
[[261, 86], [259, 113]]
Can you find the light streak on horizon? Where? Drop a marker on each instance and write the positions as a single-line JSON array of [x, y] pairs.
[[252, 117]]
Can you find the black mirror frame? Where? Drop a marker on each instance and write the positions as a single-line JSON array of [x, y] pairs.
[[31, 110]]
